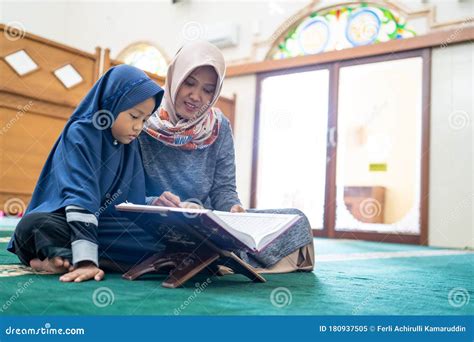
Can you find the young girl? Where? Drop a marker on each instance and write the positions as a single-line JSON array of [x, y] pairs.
[[94, 165], [188, 154]]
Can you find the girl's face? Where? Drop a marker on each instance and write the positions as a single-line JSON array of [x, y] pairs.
[[129, 123], [196, 92]]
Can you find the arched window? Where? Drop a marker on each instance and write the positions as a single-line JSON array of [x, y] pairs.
[[341, 27], [145, 56]]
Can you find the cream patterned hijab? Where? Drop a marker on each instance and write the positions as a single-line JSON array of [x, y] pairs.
[[201, 131]]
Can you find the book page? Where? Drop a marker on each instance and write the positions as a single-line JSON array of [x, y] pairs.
[[256, 225]]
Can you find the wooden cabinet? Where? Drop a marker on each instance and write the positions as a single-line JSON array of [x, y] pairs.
[[366, 203]]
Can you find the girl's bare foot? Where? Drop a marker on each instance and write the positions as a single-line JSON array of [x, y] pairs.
[[54, 265]]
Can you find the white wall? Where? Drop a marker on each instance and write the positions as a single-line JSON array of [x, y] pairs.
[[451, 152], [245, 88]]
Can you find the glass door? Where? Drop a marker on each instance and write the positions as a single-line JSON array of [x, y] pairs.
[[290, 149], [379, 148]]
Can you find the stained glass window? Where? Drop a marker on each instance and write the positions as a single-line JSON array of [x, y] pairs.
[[340, 28], [146, 57]]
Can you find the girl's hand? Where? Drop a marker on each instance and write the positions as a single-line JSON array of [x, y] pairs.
[[167, 199], [237, 209], [84, 271]]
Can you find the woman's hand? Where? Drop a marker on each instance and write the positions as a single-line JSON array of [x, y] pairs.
[[237, 209], [84, 271], [167, 199]]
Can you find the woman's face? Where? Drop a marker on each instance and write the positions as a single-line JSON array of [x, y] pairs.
[[196, 92]]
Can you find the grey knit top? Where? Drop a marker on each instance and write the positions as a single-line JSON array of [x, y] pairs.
[[206, 175]]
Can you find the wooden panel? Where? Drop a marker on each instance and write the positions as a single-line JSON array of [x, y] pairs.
[[227, 106], [23, 104], [34, 109], [42, 84], [26, 139]]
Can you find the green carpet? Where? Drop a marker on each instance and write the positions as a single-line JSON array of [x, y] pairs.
[[356, 285]]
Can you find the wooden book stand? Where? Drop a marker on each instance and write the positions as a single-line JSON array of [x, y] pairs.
[[182, 263]]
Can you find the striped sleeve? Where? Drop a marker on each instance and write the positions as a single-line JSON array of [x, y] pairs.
[[83, 226]]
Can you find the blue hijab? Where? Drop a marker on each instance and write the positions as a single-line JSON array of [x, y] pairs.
[[87, 167]]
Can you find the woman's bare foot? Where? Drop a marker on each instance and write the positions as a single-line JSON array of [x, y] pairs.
[[54, 265]]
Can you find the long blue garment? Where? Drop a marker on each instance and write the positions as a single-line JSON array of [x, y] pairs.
[[86, 166]]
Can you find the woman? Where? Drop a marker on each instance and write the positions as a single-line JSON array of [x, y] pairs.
[[188, 154]]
